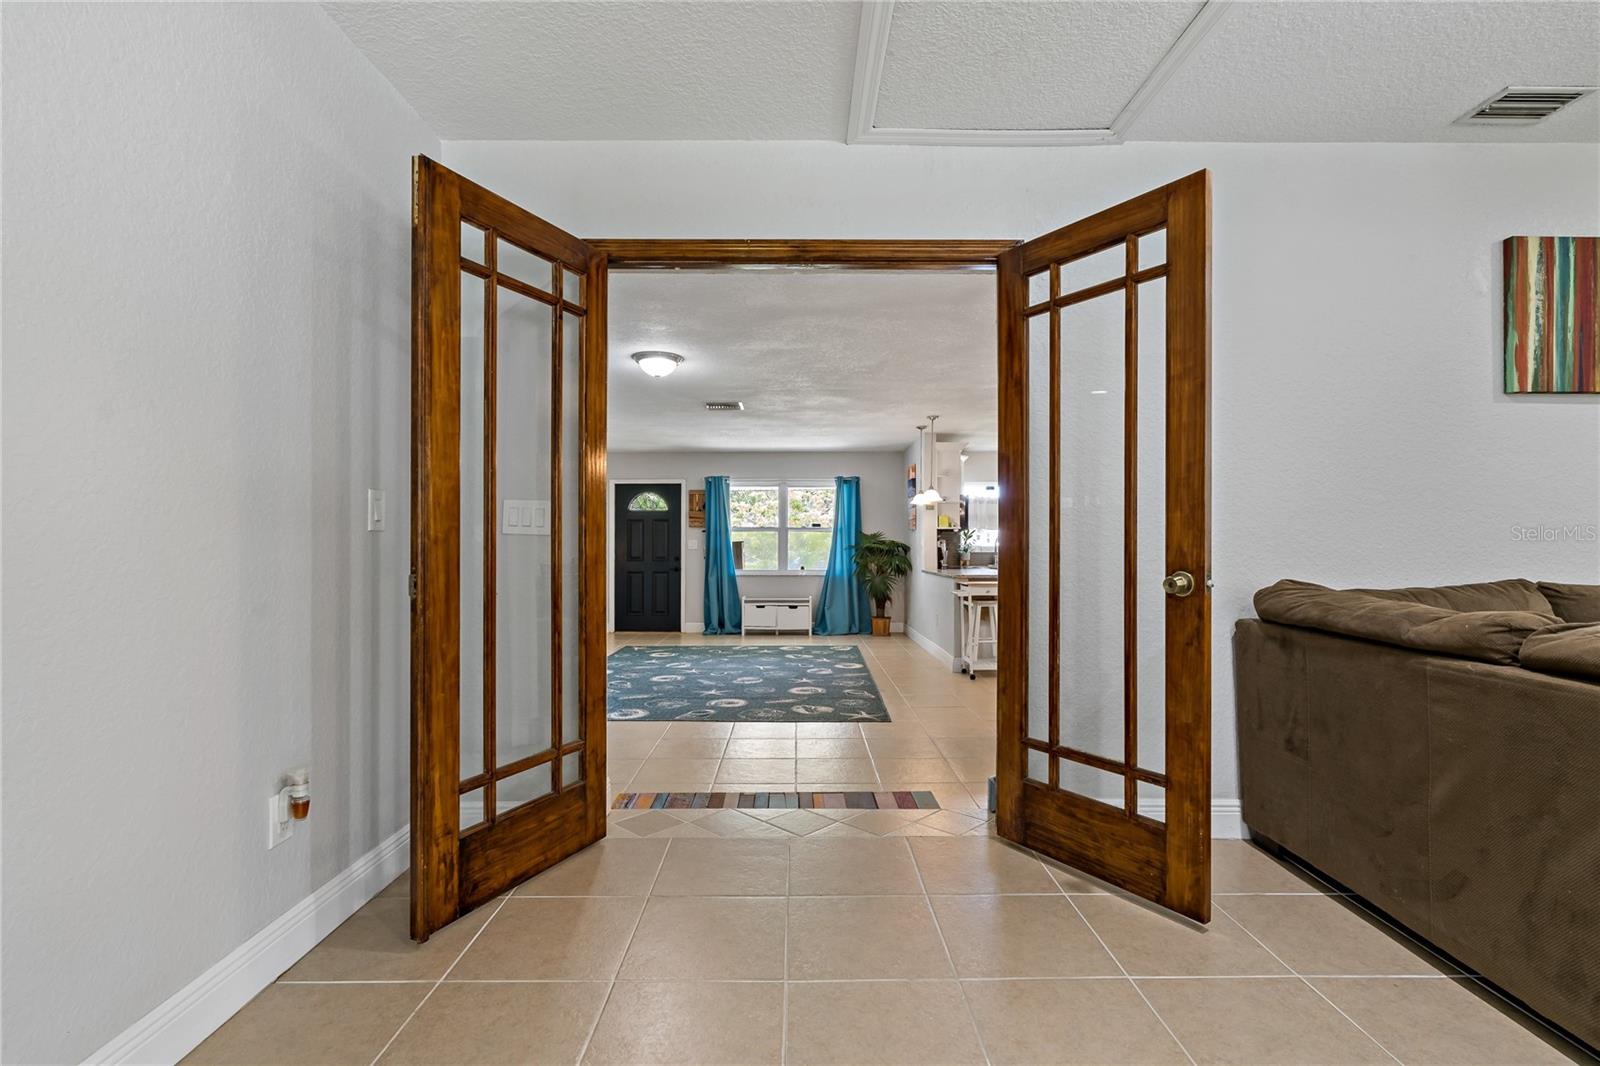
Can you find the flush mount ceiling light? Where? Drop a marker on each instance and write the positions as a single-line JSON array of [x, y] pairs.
[[657, 364]]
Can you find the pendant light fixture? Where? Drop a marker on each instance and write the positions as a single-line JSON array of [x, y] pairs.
[[928, 497]]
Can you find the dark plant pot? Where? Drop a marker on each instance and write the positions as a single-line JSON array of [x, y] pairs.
[[880, 626]]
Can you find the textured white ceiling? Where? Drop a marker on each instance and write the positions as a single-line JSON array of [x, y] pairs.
[[1389, 71], [1386, 70], [823, 360], [656, 70], [1021, 66]]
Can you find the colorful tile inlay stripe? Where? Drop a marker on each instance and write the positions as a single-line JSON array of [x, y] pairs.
[[1552, 311], [868, 801]]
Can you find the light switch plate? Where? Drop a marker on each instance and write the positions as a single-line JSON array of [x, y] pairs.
[[377, 519], [527, 518]]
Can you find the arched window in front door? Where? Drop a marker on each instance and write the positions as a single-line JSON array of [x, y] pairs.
[[647, 501]]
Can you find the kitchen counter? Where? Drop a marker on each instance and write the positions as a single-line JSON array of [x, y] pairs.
[[965, 573]]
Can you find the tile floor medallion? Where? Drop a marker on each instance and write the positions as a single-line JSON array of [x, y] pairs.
[[742, 683], [791, 935]]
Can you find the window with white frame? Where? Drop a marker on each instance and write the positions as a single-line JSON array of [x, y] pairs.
[[781, 526], [983, 515]]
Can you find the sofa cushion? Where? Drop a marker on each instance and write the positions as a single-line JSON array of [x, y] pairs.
[[1512, 594], [1571, 648], [1572, 603], [1491, 636]]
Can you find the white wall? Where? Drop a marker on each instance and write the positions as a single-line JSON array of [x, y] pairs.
[[206, 263], [883, 505], [981, 466], [931, 602], [1359, 434]]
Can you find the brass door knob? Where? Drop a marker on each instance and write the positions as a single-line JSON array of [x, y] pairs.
[[1179, 584]]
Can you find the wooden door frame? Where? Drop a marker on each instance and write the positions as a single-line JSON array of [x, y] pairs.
[[611, 545], [595, 528], [733, 254], [723, 254]]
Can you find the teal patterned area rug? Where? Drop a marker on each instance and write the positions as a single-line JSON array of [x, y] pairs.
[[748, 683]]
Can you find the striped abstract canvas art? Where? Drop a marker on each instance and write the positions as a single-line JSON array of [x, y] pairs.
[[1552, 310]]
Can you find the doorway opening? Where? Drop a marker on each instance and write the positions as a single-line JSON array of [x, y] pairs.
[[1053, 484], [804, 408]]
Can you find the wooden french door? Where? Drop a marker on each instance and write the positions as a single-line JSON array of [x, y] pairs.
[[1105, 672], [508, 540]]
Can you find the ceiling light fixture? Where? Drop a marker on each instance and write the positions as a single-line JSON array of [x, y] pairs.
[[657, 364]]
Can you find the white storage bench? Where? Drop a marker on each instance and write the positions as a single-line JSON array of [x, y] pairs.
[[775, 614]]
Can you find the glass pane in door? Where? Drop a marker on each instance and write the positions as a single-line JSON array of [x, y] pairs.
[[1038, 518], [571, 536], [1088, 781], [525, 787], [519, 263], [1150, 602], [1091, 550], [471, 809], [523, 585], [1104, 265], [472, 538]]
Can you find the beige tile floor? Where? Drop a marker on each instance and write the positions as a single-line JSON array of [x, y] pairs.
[[940, 739], [838, 937]]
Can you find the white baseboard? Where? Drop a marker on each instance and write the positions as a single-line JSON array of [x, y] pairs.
[[931, 648], [1226, 823], [194, 1012]]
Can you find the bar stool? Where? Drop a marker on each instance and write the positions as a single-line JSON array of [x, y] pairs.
[[980, 628]]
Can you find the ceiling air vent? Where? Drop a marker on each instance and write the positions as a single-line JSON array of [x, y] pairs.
[[724, 405], [1523, 105]]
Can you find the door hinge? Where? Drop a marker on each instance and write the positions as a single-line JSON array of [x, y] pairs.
[[416, 191], [412, 584]]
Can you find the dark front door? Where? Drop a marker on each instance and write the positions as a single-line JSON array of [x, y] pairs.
[[649, 558]]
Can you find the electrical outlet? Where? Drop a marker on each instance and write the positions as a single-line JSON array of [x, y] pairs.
[[280, 826]]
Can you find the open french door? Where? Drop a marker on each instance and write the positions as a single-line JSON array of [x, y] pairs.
[[1105, 673], [508, 546]]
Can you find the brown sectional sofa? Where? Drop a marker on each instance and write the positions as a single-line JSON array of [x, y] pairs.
[[1438, 752]]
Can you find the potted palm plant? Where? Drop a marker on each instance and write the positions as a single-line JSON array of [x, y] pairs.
[[881, 564]]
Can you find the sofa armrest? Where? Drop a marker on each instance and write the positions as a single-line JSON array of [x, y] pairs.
[[1572, 649]]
